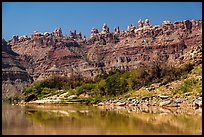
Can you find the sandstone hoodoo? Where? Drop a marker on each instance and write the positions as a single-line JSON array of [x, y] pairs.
[[30, 58]]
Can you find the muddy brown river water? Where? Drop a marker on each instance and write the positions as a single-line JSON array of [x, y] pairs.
[[78, 119]]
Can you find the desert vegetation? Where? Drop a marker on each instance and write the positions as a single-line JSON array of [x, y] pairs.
[[110, 84]]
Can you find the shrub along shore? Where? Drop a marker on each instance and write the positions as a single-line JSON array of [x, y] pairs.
[[153, 84]]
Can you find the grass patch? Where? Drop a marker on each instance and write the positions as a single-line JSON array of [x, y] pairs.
[[188, 86], [197, 70]]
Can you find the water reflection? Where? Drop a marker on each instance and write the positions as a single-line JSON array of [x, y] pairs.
[[81, 119]]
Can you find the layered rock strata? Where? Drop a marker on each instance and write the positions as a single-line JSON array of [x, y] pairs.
[[14, 75], [46, 54]]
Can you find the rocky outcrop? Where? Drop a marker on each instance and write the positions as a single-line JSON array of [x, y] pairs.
[[14, 75], [105, 29], [175, 43]]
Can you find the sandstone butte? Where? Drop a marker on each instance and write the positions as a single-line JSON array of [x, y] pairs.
[[26, 59]]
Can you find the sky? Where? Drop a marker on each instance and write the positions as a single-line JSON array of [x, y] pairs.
[[23, 18]]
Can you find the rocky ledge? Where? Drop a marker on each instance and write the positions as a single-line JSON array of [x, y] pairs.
[[156, 104], [160, 101]]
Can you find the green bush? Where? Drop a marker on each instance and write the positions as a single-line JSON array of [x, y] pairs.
[[112, 83], [100, 88], [42, 88], [197, 70], [187, 87], [85, 88], [118, 82]]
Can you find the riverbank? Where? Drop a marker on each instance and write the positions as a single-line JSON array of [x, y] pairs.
[[183, 103], [189, 109], [183, 93]]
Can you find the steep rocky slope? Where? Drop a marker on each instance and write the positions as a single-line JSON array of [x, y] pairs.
[[14, 75], [44, 54]]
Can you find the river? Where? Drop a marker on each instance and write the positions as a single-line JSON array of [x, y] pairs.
[[78, 119]]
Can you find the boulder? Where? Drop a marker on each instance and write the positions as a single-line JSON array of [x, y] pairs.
[[164, 103], [72, 97], [100, 104], [163, 96], [121, 103], [198, 102]]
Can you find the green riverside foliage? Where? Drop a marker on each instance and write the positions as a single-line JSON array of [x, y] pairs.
[[47, 87], [109, 84], [188, 86], [12, 100]]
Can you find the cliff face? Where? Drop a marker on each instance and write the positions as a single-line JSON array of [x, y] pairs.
[[14, 75], [43, 55]]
